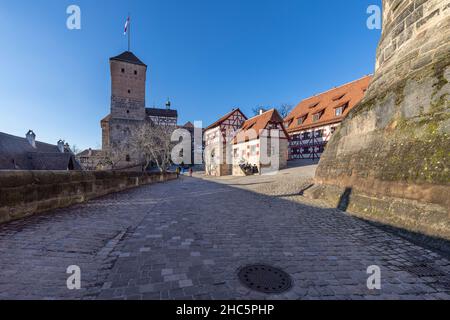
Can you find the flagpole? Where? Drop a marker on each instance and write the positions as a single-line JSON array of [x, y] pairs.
[[129, 33]]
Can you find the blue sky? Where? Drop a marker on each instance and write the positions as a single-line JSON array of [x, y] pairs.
[[208, 56]]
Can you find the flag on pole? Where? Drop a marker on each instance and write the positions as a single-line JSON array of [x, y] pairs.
[[127, 23]]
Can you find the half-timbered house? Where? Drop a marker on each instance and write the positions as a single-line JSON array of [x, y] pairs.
[[261, 145], [218, 141], [312, 123]]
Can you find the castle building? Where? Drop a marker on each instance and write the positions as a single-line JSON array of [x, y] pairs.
[[17, 153], [261, 145], [128, 111], [312, 123]]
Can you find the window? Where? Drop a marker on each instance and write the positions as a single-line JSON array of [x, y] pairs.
[[317, 116], [300, 121], [339, 111], [319, 133], [333, 130], [128, 158], [129, 91], [236, 153], [306, 135], [128, 111], [123, 70], [135, 72], [252, 150]]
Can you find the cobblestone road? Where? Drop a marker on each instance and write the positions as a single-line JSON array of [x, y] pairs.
[[186, 239]]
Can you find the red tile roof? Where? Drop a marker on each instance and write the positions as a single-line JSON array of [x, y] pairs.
[[351, 93], [258, 124]]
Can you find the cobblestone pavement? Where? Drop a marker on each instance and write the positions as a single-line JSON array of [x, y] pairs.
[[186, 239]]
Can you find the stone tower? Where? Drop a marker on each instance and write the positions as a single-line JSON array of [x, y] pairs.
[[389, 161], [128, 77]]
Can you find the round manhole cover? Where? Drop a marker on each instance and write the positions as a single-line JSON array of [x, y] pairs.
[[265, 279]]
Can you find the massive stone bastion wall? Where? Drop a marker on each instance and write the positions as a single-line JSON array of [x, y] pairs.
[[24, 193], [391, 155]]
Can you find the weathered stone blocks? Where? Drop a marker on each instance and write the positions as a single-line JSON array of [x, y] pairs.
[[23, 193], [394, 148]]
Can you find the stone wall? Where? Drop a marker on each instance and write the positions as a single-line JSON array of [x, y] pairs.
[[127, 90], [24, 193], [393, 148]]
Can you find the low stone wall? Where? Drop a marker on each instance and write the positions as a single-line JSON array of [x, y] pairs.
[[24, 193]]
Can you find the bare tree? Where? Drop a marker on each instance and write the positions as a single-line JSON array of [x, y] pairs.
[[284, 110], [153, 144], [75, 149], [112, 157], [256, 110]]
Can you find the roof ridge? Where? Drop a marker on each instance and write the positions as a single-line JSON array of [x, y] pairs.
[[259, 115], [25, 139], [338, 87]]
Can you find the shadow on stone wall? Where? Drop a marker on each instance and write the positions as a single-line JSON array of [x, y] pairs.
[[344, 201]]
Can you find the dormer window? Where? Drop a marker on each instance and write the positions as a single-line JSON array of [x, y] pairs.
[[317, 116], [337, 98], [288, 123], [300, 121], [339, 111]]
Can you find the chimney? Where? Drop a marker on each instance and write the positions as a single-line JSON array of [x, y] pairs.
[[90, 152], [261, 111], [66, 147], [168, 104], [31, 137], [60, 145]]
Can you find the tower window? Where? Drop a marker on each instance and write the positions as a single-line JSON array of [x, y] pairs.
[[123, 70], [128, 111], [135, 72], [129, 91]]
